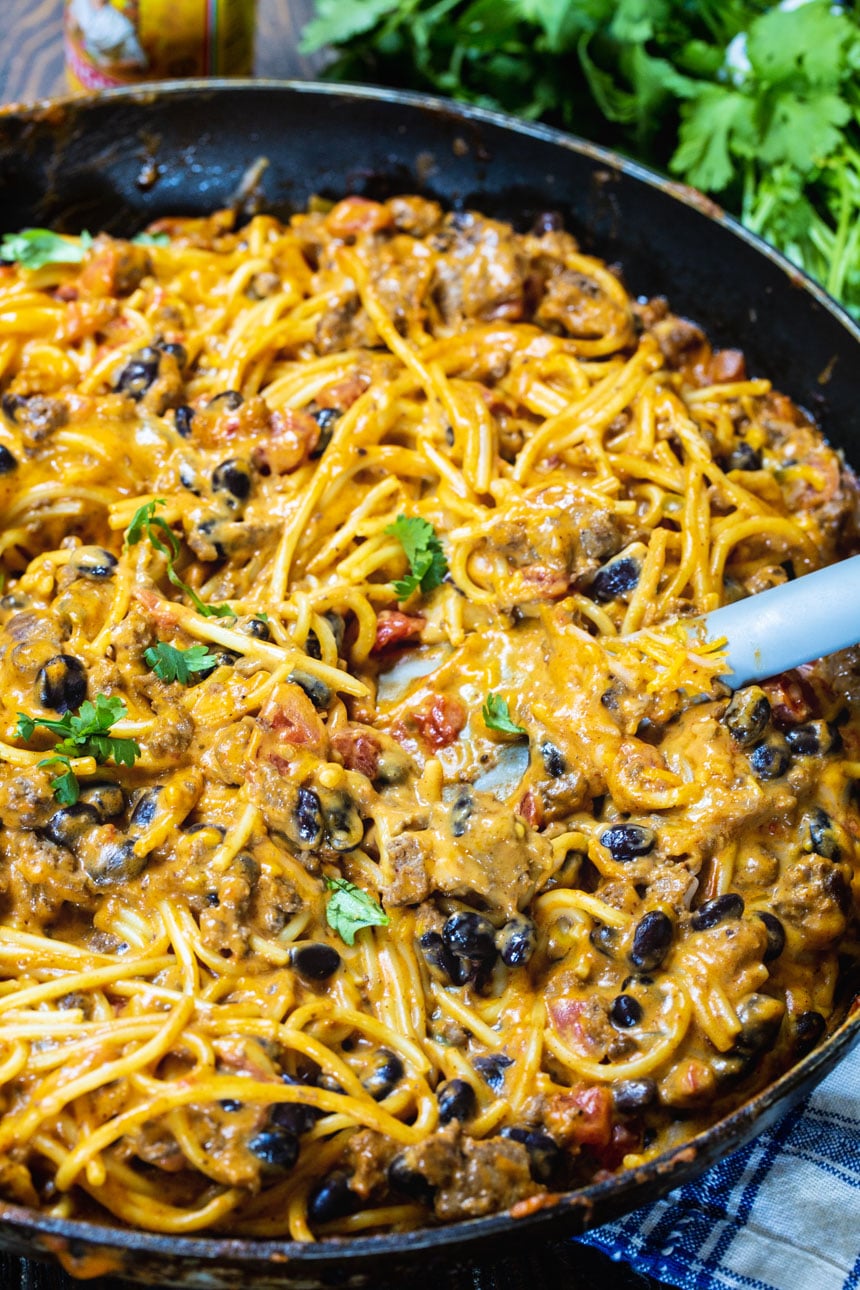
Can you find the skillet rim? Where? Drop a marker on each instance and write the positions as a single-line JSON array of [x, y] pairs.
[[571, 1212]]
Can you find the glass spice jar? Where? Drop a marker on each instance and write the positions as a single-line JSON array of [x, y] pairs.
[[123, 42]]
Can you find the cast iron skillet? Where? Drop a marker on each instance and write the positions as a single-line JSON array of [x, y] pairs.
[[118, 160]]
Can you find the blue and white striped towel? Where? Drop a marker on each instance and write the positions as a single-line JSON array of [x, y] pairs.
[[780, 1214]]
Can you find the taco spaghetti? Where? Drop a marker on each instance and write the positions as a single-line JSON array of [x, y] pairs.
[[358, 867]]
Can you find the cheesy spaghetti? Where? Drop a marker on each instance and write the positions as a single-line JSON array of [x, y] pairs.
[[359, 868]]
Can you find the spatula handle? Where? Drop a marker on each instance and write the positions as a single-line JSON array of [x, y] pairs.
[[781, 628]]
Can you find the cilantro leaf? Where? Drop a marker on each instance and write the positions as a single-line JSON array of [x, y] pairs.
[[802, 131], [65, 786], [85, 733], [146, 524], [497, 716], [151, 239], [172, 664], [423, 550], [349, 909], [33, 248], [716, 123], [803, 42]]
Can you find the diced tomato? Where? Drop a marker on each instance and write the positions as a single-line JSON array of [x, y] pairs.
[[440, 720], [358, 749], [622, 1141], [289, 712], [293, 435], [581, 1117], [530, 809], [792, 699], [394, 627]]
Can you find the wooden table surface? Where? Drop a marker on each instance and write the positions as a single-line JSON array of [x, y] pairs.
[[31, 67]]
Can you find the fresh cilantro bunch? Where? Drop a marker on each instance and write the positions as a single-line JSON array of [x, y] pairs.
[[83, 734], [755, 103], [427, 563]]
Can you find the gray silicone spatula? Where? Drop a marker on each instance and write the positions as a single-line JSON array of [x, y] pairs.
[[781, 628]]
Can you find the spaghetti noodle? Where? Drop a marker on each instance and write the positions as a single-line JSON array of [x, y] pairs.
[[359, 867]]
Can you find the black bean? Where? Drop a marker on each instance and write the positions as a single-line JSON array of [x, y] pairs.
[[715, 911], [67, 826], [760, 1017], [231, 1105], [492, 1069], [326, 419], [812, 739], [604, 939], [115, 862], [461, 811], [744, 457], [628, 841], [809, 1028], [106, 798], [277, 1149], [332, 1198], [386, 1074], [315, 960], [62, 683], [392, 767], [177, 351], [437, 956], [189, 478], [144, 809], [93, 562], [231, 400], [293, 1116], [307, 819], [7, 461], [625, 1011], [775, 935], [470, 936], [821, 835], [457, 1101], [516, 941], [630, 1095], [404, 1178], [553, 759], [11, 405], [544, 1153], [316, 690], [256, 627], [338, 627], [651, 940], [616, 579], [219, 832], [748, 715], [234, 477], [771, 759], [139, 373], [183, 416], [344, 827]]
